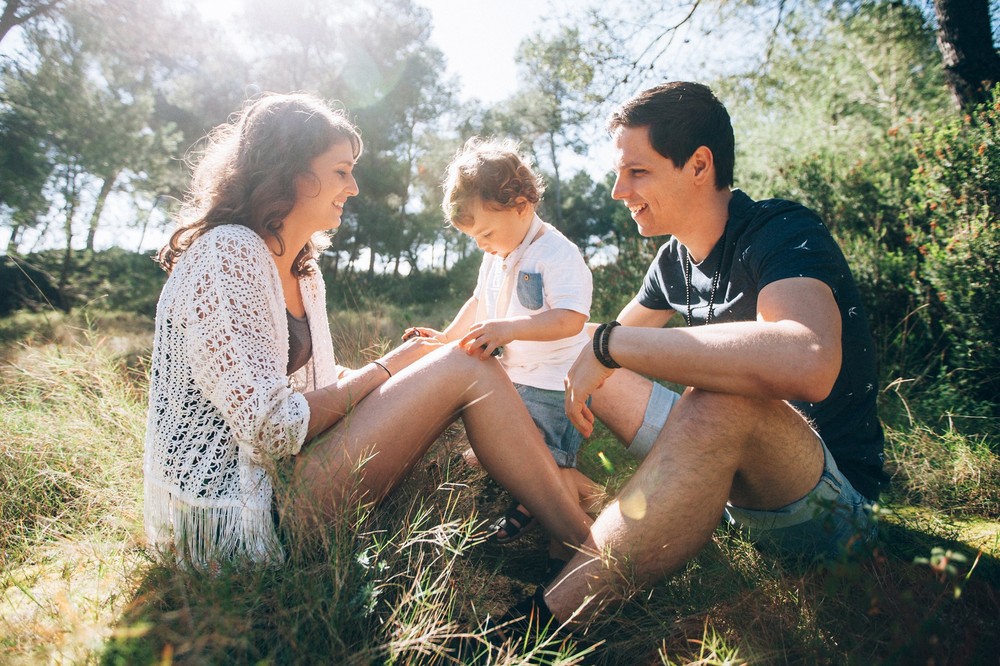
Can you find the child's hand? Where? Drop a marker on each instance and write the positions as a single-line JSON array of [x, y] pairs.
[[423, 332], [486, 337]]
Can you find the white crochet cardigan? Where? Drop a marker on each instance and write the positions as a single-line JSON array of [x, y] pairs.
[[221, 408]]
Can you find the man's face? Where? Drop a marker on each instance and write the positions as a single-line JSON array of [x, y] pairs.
[[655, 190]]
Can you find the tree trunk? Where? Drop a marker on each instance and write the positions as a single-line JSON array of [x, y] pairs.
[[555, 176], [102, 197], [67, 264], [965, 40], [10, 18], [12, 242], [333, 264]]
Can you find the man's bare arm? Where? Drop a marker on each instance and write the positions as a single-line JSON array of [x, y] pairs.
[[791, 352]]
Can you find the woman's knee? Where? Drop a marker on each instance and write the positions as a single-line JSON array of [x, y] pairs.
[[454, 368]]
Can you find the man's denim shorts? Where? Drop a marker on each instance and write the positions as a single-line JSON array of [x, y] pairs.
[[831, 519], [548, 411]]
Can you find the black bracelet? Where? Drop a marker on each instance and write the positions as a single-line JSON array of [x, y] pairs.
[[383, 367], [602, 343]]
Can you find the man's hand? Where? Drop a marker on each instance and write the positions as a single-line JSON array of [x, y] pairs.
[[586, 376]]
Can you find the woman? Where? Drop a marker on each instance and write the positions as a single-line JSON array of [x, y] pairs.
[[243, 379]]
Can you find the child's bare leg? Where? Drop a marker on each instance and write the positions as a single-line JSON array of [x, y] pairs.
[[591, 493], [469, 456]]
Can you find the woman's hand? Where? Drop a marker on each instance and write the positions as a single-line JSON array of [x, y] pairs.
[[411, 351], [424, 332]]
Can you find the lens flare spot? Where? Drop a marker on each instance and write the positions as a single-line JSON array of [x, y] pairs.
[[633, 505]]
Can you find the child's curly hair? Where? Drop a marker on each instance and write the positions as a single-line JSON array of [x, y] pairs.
[[493, 170]]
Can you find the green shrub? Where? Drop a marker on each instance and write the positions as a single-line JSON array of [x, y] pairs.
[[114, 279], [954, 206], [417, 292], [617, 282]]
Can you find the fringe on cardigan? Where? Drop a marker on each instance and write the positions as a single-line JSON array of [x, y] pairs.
[[201, 537]]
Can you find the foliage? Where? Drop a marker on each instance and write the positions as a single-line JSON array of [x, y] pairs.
[[615, 283], [556, 95], [910, 193], [94, 129], [26, 286], [955, 225], [836, 94], [590, 217], [907, 187], [113, 279], [24, 168]]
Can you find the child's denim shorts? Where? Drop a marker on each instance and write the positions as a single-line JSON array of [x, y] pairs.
[[548, 411], [832, 519]]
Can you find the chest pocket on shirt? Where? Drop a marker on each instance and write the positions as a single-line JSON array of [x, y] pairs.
[[529, 290]]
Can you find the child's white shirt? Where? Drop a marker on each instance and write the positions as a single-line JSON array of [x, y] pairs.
[[550, 273]]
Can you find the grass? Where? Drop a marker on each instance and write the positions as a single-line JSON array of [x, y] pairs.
[[397, 584]]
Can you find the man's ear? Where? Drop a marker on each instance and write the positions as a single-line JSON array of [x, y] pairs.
[[703, 165]]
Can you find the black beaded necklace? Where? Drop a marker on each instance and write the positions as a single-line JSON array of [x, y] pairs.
[[715, 282]]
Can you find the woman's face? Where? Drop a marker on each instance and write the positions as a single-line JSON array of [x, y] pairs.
[[320, 196]]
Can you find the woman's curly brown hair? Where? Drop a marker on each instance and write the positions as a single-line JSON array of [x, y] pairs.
[[493, 170], [246, 174]]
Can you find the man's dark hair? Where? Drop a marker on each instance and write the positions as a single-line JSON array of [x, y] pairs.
[[681, 116]]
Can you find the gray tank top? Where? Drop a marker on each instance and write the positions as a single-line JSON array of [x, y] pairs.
[[299, 342]]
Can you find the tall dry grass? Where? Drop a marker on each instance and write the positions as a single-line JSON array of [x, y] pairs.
[[408, 581]]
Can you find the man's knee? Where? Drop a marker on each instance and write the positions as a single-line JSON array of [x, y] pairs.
[[732, 421]]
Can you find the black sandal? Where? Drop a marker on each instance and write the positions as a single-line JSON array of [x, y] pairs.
[[514, 523]]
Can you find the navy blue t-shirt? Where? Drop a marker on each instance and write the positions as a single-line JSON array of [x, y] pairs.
[[766, 241]]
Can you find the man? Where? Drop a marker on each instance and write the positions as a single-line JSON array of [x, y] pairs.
[[778, 430]]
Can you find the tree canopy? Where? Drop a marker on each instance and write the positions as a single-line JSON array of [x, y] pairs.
[[102, 101]]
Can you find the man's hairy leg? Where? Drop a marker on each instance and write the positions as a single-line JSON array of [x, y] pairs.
[[714, 447]]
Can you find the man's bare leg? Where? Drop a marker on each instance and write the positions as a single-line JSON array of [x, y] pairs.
[[715, 447]]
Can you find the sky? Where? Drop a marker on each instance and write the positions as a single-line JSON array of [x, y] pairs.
[[479, 40]]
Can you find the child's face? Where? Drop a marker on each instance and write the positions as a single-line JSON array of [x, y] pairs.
[[496, 229]]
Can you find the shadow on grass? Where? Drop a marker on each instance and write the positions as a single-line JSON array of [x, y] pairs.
[[916, 597]]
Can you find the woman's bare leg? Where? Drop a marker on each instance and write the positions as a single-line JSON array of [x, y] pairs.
[[373, 448]]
